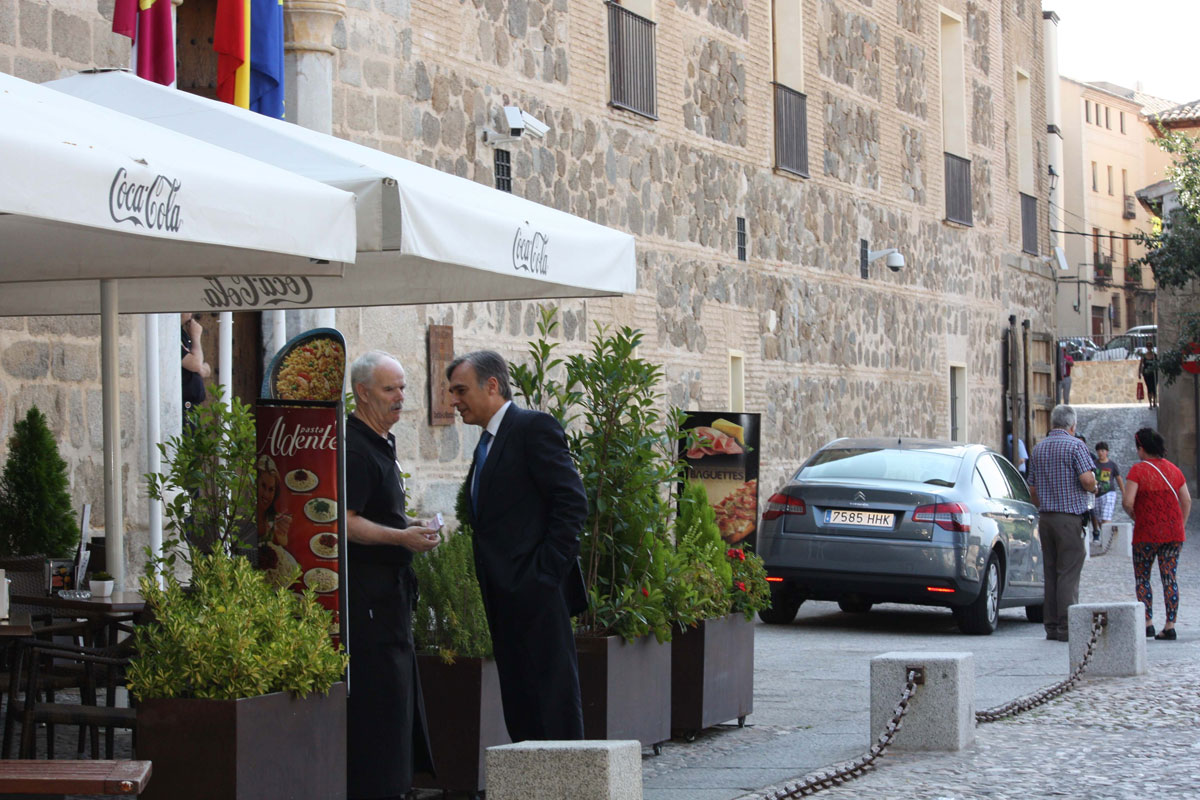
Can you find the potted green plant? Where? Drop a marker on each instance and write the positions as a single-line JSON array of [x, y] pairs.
[[35, 504], [238, 686], [101, 584], [624, 447], [459, 681], [712, 656]]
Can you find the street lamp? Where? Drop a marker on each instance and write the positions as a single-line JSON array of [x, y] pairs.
[[1053, 177]]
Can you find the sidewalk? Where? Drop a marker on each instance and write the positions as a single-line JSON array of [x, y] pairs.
[[1106, 738]]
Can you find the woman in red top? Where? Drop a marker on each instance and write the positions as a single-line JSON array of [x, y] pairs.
[[1156, 496]]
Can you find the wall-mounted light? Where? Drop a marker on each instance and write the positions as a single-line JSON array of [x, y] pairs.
[[1053, 177], [895, 259]]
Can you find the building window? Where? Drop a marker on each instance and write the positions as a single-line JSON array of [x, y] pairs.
[[1025, 168], [791, 105], [631, 61], [737, 381], [1099, 120], [1122, 122], [1029, 228], [1095, 177], [1125, 248], [958, 404], [1107, 118], [1116, 312], [1131, 311], [1087, 110], [1110, 180], [502, 162], [741, 238], [954, 122]]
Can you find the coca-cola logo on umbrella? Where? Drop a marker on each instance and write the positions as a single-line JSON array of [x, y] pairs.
[[152, 205], [531, 251], [255, 290]]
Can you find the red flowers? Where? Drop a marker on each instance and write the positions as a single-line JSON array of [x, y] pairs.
[[741, 585], [736, 553], [645, 592]]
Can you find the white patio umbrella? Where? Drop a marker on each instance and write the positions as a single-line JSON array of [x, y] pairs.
[[89, 196], [423, 235]]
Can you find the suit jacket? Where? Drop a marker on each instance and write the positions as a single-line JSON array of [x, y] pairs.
[[530, 509]]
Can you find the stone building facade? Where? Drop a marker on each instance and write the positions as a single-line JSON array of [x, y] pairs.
[[825, 352]]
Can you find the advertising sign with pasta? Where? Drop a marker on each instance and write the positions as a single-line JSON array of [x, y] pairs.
[[300, 518], [722, 454]]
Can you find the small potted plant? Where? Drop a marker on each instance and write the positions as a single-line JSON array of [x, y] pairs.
[[101, 584]]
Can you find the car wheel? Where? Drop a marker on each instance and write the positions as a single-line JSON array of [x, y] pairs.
[[855, 605], [981, 617], [784, 605], [1035, 613]]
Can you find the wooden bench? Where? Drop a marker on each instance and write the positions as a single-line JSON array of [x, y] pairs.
[[29, 776]]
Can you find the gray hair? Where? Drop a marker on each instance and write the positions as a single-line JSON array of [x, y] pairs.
[[363, 368], [1063, 416], [487, 364]]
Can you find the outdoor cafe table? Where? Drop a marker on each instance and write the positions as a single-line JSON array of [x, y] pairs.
[[17, 624], [100, 609]]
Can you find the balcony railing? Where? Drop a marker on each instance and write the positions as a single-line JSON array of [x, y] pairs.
[[791, 130], [1102, 269], [958, 189], [631, 61], [1029, 226], [1133, 274]]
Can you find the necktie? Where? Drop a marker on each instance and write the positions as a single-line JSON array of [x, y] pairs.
[[481, 451]]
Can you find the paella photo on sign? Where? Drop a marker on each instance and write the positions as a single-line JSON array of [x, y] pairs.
[[312, 366]]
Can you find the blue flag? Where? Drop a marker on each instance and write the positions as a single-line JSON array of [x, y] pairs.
[[266, 57]]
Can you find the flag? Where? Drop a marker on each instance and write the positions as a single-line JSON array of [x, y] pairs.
[[266, 57], [231, 41], [148, 23]]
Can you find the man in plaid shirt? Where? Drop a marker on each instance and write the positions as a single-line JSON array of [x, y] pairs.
[[1061, 478]]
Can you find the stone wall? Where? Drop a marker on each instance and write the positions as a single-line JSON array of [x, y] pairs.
[[1104, 382], [826, 353]]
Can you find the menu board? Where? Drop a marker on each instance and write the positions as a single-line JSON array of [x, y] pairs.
[[300, 515], [723, 455]]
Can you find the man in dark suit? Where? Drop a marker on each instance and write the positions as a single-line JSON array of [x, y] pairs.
[[526, 506]]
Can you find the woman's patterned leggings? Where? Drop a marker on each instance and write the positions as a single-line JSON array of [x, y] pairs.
[[1167, 554]]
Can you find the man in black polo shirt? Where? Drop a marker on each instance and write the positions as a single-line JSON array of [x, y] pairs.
[[387, 738]]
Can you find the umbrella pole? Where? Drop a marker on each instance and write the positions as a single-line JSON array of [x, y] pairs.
[[114, 518]]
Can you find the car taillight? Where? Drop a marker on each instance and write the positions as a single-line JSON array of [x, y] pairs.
[[780, 504], [948, 516]]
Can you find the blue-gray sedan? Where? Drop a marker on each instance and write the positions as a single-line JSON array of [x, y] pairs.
[[868, 521]]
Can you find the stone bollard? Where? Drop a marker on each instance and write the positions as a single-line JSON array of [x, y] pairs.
[[941, 715], [1121, 534], [1120, 646], [586, 770]]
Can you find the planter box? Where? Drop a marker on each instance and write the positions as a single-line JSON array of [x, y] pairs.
[[712, 674], [464, 716], [271, 747], [626, 689]]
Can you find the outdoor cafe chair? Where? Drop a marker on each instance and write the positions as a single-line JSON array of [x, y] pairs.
[[102, 667]]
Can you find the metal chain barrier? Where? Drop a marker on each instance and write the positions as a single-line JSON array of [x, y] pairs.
[[1099, 621], [916, 677], [860, 765]]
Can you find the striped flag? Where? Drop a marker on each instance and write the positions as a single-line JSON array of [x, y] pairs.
[[248, 39], [148, 24]]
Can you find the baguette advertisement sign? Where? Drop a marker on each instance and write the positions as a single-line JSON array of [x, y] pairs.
[[723, 455]]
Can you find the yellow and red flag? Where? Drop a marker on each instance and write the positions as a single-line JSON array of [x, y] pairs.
[[248, 39], [231, 41], [148, 24]]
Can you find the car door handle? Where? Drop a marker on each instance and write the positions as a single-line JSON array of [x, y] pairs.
[[1031, 518]]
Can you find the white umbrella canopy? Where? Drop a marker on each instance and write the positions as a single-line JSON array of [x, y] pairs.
[[89, 193], [423, 235], [90, 197]]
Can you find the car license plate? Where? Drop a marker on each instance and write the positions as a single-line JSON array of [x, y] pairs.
[[866, 519]]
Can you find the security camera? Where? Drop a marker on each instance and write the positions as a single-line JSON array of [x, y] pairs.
[[515, 120], [521, 121], [895, 261]]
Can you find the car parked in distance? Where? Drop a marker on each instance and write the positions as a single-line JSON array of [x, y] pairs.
[[896, 520], [1124, 346], [1080, 348]]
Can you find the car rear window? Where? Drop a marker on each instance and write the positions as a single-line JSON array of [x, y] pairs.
[[921, 466]]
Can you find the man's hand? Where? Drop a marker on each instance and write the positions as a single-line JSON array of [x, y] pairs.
[[194, 329], [418, 539]]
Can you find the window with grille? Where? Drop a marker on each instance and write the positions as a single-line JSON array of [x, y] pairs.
[[958, 189], [741, 238], [791, 130], [1029, 228], [631, 61], [503, 166]]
